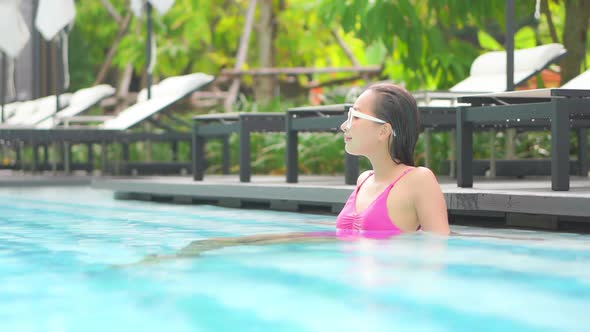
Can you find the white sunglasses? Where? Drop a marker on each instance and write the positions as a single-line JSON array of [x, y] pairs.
[[354, 113]]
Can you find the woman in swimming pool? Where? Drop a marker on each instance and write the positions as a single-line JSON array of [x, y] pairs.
[[395, 197]]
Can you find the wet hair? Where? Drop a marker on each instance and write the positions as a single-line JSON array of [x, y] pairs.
[[397, 107]]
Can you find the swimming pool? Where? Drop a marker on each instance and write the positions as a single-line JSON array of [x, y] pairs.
[[58, 247]]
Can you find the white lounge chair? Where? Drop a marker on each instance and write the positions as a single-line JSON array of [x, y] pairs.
[[80, 102], [168, 92], [40, 113], [488, 73], [10, 109], [581, 81], [28, 113]]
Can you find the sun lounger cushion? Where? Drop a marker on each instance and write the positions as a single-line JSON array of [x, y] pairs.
[[488, 71], [81, 101], [168, 92]]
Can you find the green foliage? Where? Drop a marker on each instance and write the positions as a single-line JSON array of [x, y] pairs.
[[423, 44], [428, 40], [203, 35], [89, 41], [488, 42]]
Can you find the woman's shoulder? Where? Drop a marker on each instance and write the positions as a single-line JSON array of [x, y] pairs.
[[421, 176], [418, 176], [363, 176], [420, 171]]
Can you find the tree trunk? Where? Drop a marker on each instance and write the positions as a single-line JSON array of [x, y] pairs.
[[123, 88], [575, 33], [266, 87], [234, 89], [123, 28], [545, 10]]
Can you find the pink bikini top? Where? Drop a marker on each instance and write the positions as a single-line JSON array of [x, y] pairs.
[[374, 219]]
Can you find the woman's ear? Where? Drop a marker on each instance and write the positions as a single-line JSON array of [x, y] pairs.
[[387, 131]]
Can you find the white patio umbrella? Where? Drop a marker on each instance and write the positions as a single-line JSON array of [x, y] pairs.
[[13, 39], [52, 19], [53, 16], [138, 7]]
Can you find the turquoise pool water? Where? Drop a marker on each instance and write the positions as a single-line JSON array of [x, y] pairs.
[[58, 247]]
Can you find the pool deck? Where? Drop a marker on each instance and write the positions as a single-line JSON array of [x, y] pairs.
[[16, 179], [528, 203], [500, 202]]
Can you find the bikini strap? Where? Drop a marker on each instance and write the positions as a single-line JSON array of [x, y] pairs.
[[400, 177], [368, 176], [361, 184]]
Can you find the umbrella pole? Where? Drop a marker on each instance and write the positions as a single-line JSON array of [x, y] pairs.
[[509, 45], [149, 48], [36, 58], [3, 92], [59, 73]]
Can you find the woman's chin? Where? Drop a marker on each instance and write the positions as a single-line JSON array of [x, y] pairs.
[[350, 151]]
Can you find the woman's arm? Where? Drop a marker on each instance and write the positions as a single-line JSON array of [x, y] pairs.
[[199, 246], [430, 204], [195, 248]]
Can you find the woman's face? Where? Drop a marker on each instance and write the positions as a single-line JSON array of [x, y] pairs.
[[361, 137]]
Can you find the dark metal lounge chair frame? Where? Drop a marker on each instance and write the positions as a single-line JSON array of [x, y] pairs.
[[560, 110], [221, 126]]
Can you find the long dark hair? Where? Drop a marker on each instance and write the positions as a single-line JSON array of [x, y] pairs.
[[398, 107]]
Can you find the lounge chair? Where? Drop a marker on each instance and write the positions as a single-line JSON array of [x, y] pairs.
[[581, 81], [560, 109], [113, 129], [10, 109], [165, 94], [40, 113], [210, 126], [27, 113], [81, 101], [488, 73]]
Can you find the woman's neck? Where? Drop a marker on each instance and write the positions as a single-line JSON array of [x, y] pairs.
[[384, 167]]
